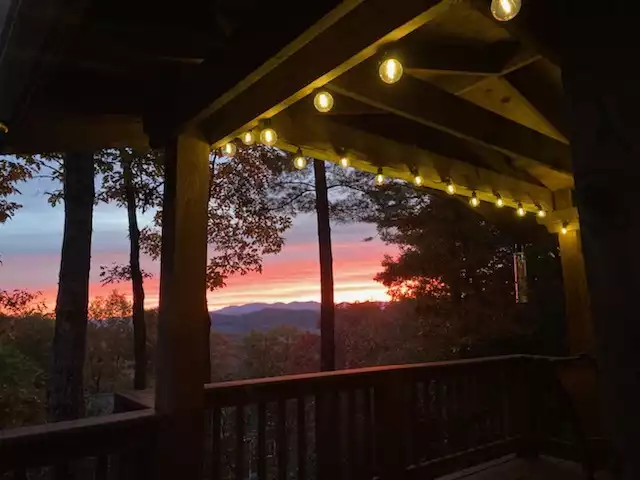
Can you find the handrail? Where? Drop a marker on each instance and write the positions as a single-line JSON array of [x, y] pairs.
[[60, 442]]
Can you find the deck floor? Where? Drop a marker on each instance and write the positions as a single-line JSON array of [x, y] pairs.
[[513, 468]]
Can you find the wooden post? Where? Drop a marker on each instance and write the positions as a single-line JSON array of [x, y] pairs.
[[580, 335], [602, 89], [327, 307], [180, 361]]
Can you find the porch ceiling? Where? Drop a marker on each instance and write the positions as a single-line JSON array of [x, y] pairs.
[[480, 102]]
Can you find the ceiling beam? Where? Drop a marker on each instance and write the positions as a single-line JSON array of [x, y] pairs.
[[325, 139], [426, 104], [488, 60], [348, 35]]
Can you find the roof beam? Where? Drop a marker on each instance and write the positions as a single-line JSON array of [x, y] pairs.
[[426, 104], [348, 35], [495, 59], [323, 138]]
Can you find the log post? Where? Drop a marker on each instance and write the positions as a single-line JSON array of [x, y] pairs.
[[180, 362]]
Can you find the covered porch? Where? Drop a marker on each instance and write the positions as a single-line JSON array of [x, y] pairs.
[[479, 112]]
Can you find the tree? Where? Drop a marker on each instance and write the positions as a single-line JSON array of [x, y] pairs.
[[132, 179], [66, 399], [456, 264], [13, 171], [243, 226]]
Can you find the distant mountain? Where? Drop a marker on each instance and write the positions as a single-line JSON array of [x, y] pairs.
[[266, 319], [256, 307]]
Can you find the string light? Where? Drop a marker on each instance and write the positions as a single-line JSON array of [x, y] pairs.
[[229, 149], [451, 188], [268, 135], [323, 101], [520, 211], [505, 10], [345, 162], [390, 70], [379, 179], [300, 161], [564, 228], [417, 180], [3, 128], [248, 138], [473, 201], [541, 212], [499, 201]]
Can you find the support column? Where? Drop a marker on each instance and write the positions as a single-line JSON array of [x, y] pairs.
[[180, 361], [602, 88], [576, 292]]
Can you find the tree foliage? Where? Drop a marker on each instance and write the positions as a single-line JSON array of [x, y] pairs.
[[243, 224], [13, 172]]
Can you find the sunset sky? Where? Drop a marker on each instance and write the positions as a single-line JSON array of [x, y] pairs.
[[30, 251]]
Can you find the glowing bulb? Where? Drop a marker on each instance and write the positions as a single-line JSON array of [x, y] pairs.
[[390, 70], [268, 136], [451, 188], [345, 162], [564, 229], [499, 201], [417, 180], [541, 212], [505, 10], [248, 138], [323, 101], [379, 177], [229, 149], [473, 201], [300, 161], [520, 210]]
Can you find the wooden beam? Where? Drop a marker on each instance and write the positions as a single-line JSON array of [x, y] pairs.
[[351, 33], [431, 106], [181, 360], [325, 139], [486, 60], [47, 133]]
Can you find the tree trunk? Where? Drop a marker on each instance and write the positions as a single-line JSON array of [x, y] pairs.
[[66, 399], [139, 326], [327, 306]]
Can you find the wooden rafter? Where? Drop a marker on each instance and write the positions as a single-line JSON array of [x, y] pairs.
[[350, 34], [424, 103], [326, 139]]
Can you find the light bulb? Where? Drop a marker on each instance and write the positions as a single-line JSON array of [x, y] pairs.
[[417, 180], [300, 161], [345, 162], [451, 188], [229, 149], [520, 210], [564, 229], [541, 212], [248, 138], [473, 201], [323, 101], [505, 10], [268, 136], [499, 201], [379, 177], [390, 70]]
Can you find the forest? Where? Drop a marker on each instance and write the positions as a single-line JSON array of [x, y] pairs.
[[451, 284]]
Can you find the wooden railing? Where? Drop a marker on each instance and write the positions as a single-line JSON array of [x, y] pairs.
[[388, 422], [101, 448], [391, 422]]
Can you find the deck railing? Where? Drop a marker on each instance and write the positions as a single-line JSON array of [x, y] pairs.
[[404, 421]]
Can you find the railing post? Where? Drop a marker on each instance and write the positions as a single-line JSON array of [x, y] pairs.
[[327, 436], [530, 399], [390, 432]]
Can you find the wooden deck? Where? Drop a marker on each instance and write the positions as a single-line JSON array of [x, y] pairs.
[[514, 468]]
